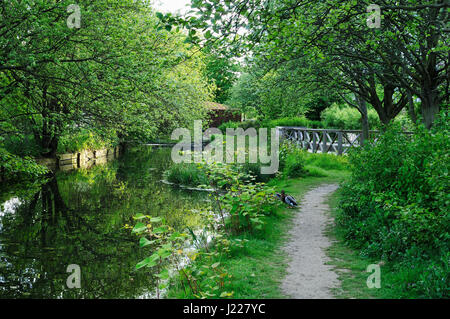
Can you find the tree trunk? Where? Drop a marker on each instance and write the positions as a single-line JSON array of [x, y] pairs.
[[430, 108], [411, 110], [51, 128], [430, 96], [364, 119], [49, 142]]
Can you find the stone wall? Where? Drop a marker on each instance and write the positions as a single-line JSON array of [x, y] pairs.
[[83, 159]]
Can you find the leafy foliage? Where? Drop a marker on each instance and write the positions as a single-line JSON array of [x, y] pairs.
[[396, 205], [347, 118], [14, 168], [331, 43], [186, 174], [118, 75], [239, 205], [292, 161], [244, 202], [84, 139], [220, 71]]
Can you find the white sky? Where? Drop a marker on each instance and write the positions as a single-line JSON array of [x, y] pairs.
[[174, 6]]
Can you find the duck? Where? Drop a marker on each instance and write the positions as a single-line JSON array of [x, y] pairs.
[[288, 199]]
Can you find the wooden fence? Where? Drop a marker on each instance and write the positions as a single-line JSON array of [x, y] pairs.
[[322, 140]]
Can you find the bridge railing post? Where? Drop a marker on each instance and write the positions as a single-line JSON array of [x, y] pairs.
[[324, 142], [314, 142], [340, 148], [334, 138]]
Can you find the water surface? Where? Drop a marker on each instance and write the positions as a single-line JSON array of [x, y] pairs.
[[78, 218]]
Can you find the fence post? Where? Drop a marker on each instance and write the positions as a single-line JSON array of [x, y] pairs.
[[279, 134], [314, 142], [340, 148], [324, 142]]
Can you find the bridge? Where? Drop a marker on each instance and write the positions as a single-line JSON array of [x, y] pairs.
[[323, 140]]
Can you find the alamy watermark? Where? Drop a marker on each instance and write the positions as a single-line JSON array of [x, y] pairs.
[[234, 143], [74, 20], [374, 279], [374, 16], [74, 280]]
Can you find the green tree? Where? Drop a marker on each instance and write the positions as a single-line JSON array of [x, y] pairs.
[[118, 73], [220, 71], [407, 56]]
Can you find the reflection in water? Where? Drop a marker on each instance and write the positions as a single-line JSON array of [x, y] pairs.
[[78, 218]]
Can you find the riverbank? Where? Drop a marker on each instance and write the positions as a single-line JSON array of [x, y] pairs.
[[82, 159], [78, 217], [258, 269]]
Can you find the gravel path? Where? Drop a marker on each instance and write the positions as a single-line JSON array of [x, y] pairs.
[[308, 277]]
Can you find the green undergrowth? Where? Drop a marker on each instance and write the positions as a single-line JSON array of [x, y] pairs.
[[257, 269], [15, 169], [82, 139], [351, 267], [246, 260], [293, 163], [395, 208]]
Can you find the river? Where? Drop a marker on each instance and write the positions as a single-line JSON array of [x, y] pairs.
[[78, 217]]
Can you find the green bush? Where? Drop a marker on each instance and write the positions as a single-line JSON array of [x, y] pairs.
[[223, 127], [347, 118], [292, 160], [186, 174], [14, 168], [296, 162], [327, 161], [254, 169], [295, 165], [244, 125], [335, 117], [22, 145], [290, 121], [267, 123], [396, 204], [247, 202], [84, 139]]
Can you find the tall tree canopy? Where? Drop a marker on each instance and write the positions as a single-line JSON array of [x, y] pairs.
[[119, 72], [408, 55]]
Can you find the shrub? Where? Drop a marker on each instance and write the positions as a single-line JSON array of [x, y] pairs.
[[347, 118], [327, 161], [244, 125], [83, 139], [295, 162], [247, 203], [267, 123], [292, 160], [295, 165], [186, 174], [14, 168], [254, 169], [223, 127], [291, 121], [396, 204]]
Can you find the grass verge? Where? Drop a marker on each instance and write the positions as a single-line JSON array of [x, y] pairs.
[[258, 268], [351, 267]]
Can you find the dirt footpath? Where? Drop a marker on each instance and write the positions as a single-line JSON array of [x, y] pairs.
[[308, 277]]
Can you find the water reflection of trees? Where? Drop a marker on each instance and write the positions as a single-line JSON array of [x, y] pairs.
[[78, 218], [47, 233]]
